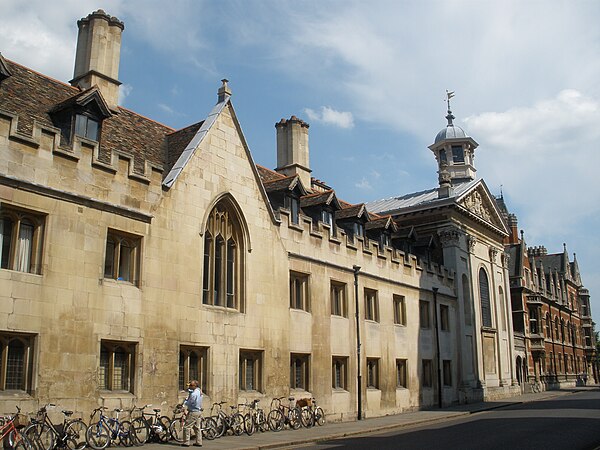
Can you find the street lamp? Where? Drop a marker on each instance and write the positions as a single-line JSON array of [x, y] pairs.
[[358, 376]]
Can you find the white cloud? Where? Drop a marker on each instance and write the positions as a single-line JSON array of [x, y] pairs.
[[364, 184], [330, 116], [124, 91], [546, 157]]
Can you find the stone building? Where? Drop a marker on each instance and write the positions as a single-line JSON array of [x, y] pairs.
[[135, 257], [554, 332], [460, 226]]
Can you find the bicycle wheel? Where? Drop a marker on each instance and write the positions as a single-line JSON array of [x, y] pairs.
[[75, 435], [294, 418], [209, 428], [176, 429], [319, 416], [97, 436], [127, 437], [21, 443], [261, 421], [236, 424], [219, 425], [275, 420], [161, 429], [40, 435], [17, 439], [140, 431], [306, 417], [249, 426]]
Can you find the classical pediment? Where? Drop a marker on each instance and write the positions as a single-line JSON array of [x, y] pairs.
[[480, 203]]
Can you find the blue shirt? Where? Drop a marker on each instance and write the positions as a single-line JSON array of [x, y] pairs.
[[194, 400]]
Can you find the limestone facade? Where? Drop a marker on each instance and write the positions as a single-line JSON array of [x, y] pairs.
[[136, 257]]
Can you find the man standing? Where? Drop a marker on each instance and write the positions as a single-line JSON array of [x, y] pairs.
[[193, 404]]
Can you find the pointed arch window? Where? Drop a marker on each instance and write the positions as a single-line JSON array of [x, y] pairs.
[[484, 293], [223, 265]]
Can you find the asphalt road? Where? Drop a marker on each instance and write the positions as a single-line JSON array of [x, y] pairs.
[[568, 422]]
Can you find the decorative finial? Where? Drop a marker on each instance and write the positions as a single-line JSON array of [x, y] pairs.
[[449, 117]]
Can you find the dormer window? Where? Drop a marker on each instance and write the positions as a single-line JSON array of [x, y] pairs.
[[458, 154], [293, 204], [86, 127], [327, 218], [359, 229]]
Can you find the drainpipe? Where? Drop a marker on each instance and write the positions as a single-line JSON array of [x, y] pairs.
[[358, 360], [437, 347]]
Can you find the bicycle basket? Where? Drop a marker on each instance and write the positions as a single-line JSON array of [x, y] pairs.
[[21, 420]]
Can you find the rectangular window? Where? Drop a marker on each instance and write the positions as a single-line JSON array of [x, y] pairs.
[[444, 318], [293, 205], [250, 374], [299, 291], [193, 366], [299, 371], [327, 218], [399, 310], [373, 373], [339, 373], [401, 379], [86, 127], [427, 373], [447, 364], [458, 154], [424, 319], [21, 236], [338, 299], [371, 305], [16, 363], [117, 366], [122, 259]]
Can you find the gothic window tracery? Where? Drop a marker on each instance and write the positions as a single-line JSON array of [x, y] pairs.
[[223, 265]]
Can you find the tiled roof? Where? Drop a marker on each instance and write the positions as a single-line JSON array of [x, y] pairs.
[[31, 96], [178, 140], [322, 198], [351, 211], [383, 223], [268, 174], [281, 184]]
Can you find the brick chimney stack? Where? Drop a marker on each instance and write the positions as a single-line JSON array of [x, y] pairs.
[[292, 149], [98, 55], [513, 225]]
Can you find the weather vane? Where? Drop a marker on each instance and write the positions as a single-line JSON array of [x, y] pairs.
[[449, 95]]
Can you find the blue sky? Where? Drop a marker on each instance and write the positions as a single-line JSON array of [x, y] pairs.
[[370, 78]]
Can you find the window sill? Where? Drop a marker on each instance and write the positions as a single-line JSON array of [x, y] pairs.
[[104, 394], [119, 282], [339, 390], [15, 395]]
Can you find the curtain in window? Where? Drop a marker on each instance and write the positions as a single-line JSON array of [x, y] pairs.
[[24, 248]]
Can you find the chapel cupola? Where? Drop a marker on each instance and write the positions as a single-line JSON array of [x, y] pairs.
[[454, 151], [98, 55]]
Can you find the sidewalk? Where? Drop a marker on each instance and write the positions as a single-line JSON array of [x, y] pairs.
[[271, 440]]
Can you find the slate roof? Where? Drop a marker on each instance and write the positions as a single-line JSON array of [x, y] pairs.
[[382, 223], [320, 198], [422, 198], [32, 96]]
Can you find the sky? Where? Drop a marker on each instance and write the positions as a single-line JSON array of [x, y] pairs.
[[370, 79]]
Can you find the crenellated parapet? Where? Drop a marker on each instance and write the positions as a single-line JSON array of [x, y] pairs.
[[317, 239]]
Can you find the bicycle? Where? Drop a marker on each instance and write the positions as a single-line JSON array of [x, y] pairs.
[[255, 419], [102, 433], [9, 430], [178, 423], [318, 413], [44, 435], [282, 415], [224, 423], [149, 427]]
